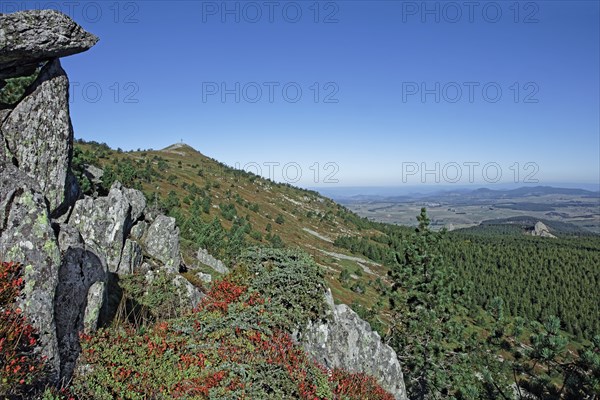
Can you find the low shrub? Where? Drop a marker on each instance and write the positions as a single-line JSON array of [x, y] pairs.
[[21, 368], [291, 280], [229, 347]]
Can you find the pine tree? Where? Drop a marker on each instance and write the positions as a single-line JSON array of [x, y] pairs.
[[421, 300]]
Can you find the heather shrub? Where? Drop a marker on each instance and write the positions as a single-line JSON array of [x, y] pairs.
[[231, 346], [21, 369]]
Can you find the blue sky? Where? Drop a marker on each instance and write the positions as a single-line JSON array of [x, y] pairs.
[[362, 68]]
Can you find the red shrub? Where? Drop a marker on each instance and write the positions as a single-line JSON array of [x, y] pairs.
[[220, 351], [357, 386], [19, 365], [222, 294]]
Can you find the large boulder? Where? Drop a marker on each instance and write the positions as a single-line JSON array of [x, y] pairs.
[[29, 37], [26, 236], [105, 222], [39, 137], [79, 295], [344, 340], [162, 242]]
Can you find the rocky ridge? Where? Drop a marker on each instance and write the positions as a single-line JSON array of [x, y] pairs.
[[69, 246]]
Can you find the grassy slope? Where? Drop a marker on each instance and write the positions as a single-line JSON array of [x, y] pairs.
[[273, 199]]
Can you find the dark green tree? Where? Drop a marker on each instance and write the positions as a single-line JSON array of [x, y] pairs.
[[428, 340]]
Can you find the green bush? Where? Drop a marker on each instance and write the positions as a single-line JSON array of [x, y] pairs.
[[292, 282]]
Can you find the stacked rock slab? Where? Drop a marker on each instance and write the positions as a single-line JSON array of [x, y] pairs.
[[36, 141], [72, 248], [39, 137], [30, 37]]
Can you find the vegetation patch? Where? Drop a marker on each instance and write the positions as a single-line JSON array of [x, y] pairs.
[[231, 346]]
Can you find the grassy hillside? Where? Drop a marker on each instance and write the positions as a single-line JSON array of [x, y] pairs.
[[356, 254], [178, 176]]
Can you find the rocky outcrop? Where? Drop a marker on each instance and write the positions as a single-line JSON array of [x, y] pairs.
[[208, 260], [72, 248], [162, 242], [345, 341], [39, 136], [36, 184], [540, 229], [29, 37], [105, 222], [27, 237]]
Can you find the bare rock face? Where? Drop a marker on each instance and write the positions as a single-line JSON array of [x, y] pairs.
[[39, 136], [131, 258], [346, 341], [162, 242], [105, 222], [27, 237], [29, 37], [3, 114]]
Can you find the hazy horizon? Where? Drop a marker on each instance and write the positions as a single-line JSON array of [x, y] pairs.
[[386, 191]]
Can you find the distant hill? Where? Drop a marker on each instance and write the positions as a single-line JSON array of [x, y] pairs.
[[473, 195], [525, 224], [534, 191]]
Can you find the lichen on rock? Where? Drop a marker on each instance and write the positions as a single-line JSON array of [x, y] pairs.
[[162, 242], [27, 237], [344, 340]]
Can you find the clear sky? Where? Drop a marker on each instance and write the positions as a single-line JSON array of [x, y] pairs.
[[377, 89]]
